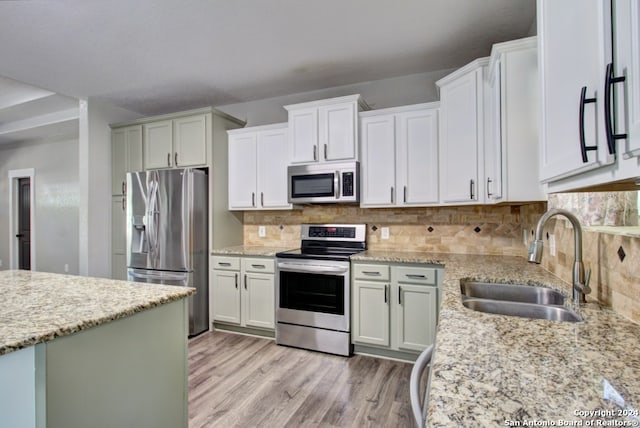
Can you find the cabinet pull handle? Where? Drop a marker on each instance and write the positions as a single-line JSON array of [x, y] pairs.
[[258, 266], [371, 272], [391, 194], [175, 158], [404, 191], [236, 275], [168, 159], [583, 144], [489, 181], [325, 152], [123, 188], [245, 281], [415, 276], [124, 203], [609, 122], [253, 199], [471, 189], [224, 264], [262, 199], [315, 153], [386, 287], [400, 295]]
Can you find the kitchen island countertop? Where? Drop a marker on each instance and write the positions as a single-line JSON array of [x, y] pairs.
[[36, 307], [494, 370]]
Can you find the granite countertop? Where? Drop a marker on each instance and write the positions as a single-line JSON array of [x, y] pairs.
[[494, 370], [248, 250], [36, 306]]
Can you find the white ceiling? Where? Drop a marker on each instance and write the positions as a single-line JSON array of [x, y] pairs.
[[158, 56]]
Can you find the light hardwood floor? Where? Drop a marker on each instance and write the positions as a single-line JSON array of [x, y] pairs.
[[242, 381]]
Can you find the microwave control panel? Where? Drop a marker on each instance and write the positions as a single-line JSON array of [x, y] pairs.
[[347, 184]]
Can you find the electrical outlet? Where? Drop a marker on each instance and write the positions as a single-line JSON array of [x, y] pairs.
[[262, 231], [384, 233], [525, 236], [66, 268], [552, 245]]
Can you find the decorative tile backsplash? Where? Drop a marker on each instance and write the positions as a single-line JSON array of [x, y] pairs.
[[488, 229]]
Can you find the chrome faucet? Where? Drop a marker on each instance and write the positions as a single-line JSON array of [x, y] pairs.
[[580, 282]]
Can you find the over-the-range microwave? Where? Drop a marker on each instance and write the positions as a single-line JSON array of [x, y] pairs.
[[324, 183]]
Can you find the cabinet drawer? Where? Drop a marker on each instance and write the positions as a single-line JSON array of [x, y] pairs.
[[258, 265], [378, 272], [415, 275], [225, 263]]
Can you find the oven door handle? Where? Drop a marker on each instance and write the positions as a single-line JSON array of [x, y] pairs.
[[298, 267]]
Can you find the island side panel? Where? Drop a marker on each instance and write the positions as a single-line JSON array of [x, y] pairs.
[[131, 372]]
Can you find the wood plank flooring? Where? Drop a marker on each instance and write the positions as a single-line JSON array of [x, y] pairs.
[[243, 381]]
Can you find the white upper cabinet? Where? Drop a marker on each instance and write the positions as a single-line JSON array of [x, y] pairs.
[[575, 47], [590, 99], [627, 64], [126, 156], [176, 143], [461, 139], [511, 124], [258, 159], [400, 156], [325, 130]]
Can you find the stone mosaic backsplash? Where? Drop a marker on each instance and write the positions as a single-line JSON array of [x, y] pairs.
[[487, 229]]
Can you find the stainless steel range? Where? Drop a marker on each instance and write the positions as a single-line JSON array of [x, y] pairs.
[[313, 288]]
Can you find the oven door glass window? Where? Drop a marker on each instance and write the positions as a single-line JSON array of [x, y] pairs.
[[315, 185], [312, 292]]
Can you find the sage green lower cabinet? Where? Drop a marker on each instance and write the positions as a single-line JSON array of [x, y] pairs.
[[394, 307], [243, 293]]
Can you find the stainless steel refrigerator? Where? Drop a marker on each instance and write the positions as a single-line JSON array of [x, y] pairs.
[[167, 234]]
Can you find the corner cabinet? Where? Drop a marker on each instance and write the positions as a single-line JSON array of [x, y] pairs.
[[399, 164], [511, 126], [395, 307], [242, 292], [461, 141], [325, 130], [177, 143], [590, 115], [258, 160]]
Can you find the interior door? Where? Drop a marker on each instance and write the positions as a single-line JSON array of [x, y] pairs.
[[24, 223]]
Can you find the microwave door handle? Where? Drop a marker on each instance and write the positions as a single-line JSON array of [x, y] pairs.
[[336, 184]]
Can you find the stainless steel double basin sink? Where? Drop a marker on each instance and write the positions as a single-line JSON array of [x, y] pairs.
[[518, 300]]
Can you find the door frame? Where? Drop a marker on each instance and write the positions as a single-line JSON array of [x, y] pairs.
[[14, 176]]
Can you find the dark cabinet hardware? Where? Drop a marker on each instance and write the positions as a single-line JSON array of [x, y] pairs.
[[609, 121], [583, 144]]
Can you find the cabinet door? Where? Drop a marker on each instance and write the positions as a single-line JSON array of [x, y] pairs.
[[303, 133], [338, 132], [158, 144], [460, 139], [493, 143], [416, 316], [118, 161], [273, 159], [190, 141], [226, 296], [118, 237], [575, 46], [627, 63], [258, 300], [417, 164], [378, 167], [134, 148], [370, 313], [242, 171]]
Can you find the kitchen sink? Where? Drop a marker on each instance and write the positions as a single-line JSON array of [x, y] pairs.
[[519, 309], [511, 292]]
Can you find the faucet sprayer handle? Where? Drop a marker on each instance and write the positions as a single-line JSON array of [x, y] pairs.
[[587, 278]]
